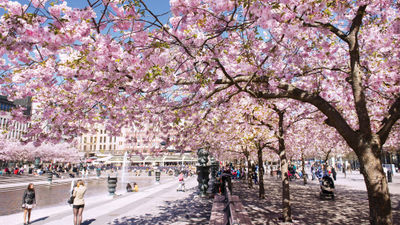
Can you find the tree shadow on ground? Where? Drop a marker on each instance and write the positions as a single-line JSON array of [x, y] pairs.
[[191, 210], [349, 206]]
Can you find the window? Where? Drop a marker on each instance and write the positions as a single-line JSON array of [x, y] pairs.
[[95, 139], [85, 140], [84, 148], [101, 139], [91, 140], [100, 147]]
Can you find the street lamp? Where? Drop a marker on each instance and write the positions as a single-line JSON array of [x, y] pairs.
[[214, 170], [203, 171]]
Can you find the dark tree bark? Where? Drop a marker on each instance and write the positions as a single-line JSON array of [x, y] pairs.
[[261, 192], [303, 169], [249, 169], [377, 186], [286, 208], [327, 156]]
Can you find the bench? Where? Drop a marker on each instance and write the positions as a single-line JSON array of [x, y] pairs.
[[228, 210]]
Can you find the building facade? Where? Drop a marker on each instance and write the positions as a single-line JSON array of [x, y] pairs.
[[136, 141], [9, 128]]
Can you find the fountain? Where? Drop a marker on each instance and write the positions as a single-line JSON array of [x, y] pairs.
[[124, 170]]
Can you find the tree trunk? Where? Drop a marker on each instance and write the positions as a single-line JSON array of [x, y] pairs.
[[303, 169], [261, 192], [286, 209], [377, 187], [327, 156], [248, 175]]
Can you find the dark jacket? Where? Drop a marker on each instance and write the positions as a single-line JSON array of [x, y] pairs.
[[29, 197]]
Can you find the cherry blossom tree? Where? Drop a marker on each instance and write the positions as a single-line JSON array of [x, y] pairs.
[[104, 62], [13, 150], [340, 56]]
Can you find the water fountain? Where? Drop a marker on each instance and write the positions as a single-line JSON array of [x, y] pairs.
[[124, 170]]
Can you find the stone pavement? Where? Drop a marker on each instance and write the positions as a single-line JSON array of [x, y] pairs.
[[350, 205], [158, 204], [161, 204]]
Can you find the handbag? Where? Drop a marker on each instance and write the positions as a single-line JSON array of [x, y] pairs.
[[71, 200]]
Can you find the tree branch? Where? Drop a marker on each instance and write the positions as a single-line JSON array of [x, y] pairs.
[[388, 122], [334, 119]]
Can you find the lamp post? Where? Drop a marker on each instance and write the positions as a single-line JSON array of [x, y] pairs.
[[203, 171], [213, 182]]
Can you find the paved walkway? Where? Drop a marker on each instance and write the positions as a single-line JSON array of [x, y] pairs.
[[158, 204], [350, 205], [161, 204]]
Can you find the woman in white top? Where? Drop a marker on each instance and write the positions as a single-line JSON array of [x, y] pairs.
[[79, 202]]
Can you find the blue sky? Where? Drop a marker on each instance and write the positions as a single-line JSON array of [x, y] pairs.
[[157, 6]]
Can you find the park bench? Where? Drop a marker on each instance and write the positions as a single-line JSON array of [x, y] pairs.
[[228, 210]]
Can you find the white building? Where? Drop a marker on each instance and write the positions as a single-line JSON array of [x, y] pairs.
[[136, 141], [9, 128]]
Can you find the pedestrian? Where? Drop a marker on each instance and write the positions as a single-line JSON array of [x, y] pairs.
[[181, 186], [333, 173], [128, 187], [79, 202], [344, 170], [226, 178], [135, 187], [28, 202]]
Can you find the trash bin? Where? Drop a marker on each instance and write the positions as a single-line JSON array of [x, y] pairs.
[[158, 175], [112, 184]]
